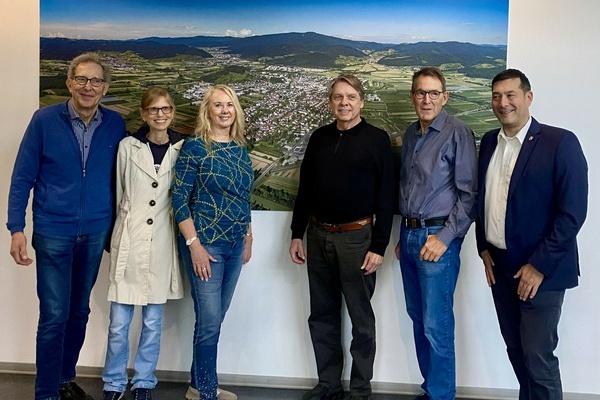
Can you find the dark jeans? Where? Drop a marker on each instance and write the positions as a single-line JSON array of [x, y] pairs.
[[334, 261], [530, 331], [67, 267]]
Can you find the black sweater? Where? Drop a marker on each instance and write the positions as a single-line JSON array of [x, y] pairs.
[[346, 176]]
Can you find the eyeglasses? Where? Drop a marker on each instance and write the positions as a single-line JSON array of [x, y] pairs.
[[433, 94], [154, 110], [82, 81]]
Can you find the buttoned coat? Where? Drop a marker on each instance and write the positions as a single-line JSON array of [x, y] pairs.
[[144, 263], [546, 204]]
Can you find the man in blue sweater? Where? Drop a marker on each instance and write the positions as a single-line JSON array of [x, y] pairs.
[[67, 157]]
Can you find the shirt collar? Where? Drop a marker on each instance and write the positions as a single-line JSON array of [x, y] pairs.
[[520, 135], [74, 115], [437, 123]]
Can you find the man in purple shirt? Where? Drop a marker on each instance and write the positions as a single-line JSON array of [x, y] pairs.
[[438, 182]]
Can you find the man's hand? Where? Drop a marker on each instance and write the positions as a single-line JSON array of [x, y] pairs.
[[530, 281], [18, 249], [488, 263], [371, 263], [297, 251], [433, 249]]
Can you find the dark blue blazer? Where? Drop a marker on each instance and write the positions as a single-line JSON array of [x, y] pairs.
[[546, 206]]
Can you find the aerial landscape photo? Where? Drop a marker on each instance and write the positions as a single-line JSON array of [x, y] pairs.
[[279, 58]]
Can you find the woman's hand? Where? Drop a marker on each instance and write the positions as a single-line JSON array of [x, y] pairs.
[[247, 249], [201, 260]]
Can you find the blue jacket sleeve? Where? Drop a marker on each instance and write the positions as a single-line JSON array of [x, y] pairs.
[[25, 173]]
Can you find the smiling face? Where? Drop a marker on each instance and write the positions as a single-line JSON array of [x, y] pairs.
[[87, 97], [155, 117], [511, 105], [426, 108], [221, 111], [345, 103]]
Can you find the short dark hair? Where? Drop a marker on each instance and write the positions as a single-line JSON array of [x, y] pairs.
[[350, 80], [512, 73], [434, 72]]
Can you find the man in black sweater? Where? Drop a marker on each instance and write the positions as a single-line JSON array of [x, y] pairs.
[[345, 198]]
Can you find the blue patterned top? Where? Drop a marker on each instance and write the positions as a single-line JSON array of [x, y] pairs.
[[213, 188]]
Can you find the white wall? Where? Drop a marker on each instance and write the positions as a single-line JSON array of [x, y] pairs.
[[265, 334]]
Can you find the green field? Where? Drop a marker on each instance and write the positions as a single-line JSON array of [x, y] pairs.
[[282, 104]]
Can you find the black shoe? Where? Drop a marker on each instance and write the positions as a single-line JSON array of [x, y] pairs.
[[321, 392], [142, 394], [357, 397], [422, 396], [111, 395], [72, 391]]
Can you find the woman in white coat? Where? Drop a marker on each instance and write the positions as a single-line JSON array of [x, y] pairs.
[[144, 266]]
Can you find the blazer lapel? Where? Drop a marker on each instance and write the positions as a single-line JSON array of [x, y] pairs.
[[531, 140]]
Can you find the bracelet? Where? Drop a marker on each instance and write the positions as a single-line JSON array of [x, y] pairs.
[[190, 241], [248, 234]]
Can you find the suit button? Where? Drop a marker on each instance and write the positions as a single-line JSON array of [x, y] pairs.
[[152, 203], [154, 184], [149, 221]]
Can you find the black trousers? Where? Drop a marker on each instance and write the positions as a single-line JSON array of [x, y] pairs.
[[334, 261], [530, 331]]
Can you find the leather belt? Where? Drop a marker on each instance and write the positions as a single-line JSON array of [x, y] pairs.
[[350, 226], [415, 223]]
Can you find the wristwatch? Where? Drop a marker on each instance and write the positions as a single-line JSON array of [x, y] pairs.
[[190, 241]]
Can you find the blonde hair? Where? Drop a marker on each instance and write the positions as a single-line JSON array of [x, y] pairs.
[[350, 80], [203, 127], [154, 93]]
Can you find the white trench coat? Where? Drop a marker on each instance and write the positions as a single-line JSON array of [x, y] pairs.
[[144, 263]]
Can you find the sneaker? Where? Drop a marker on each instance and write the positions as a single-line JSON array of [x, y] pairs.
[[321, 392], [108, 395], [194, 394], [142, 394], [72, 391]]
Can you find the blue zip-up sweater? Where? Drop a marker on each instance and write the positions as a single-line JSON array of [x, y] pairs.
[[68, 198]]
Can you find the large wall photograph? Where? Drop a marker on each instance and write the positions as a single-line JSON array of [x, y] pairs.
[[279, 56]]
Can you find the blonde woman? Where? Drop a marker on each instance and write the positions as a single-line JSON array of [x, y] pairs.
[[144, 268], [211, 199]]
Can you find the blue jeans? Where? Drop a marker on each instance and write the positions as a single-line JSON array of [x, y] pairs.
[[67, 267], [117, 352], [211, 301], [429, 293]]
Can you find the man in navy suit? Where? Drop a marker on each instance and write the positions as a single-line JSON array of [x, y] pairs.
[[532, 201]]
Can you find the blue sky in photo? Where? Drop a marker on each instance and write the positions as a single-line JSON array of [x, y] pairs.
[[475, 21]]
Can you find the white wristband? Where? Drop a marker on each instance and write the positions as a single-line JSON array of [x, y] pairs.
[[190, 241]]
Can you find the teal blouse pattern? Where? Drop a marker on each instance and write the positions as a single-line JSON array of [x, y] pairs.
[[213, 188]]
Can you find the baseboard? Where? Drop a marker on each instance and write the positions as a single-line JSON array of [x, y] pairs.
[[302, 383]]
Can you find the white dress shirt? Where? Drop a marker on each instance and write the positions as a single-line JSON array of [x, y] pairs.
[[497, 181]]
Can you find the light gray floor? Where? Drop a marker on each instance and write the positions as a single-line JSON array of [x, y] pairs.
[[20, 387]]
